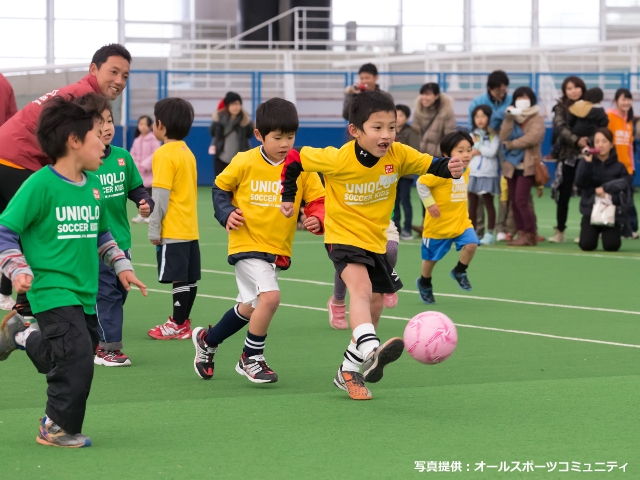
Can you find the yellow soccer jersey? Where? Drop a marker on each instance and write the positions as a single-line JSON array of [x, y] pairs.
[[174, 168], [360, 200], [255, 185], [451, 197]]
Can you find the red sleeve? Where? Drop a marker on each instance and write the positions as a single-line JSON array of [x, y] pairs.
[[316, 209]]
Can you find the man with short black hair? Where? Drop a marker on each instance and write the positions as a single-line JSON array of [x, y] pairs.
[[368, 74], [20, 153], [496, 96]]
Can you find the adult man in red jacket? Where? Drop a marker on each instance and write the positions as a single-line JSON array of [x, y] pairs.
[[8, 107], [20, 153]]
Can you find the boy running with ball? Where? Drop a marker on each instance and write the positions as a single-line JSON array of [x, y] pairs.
[[360, 181], [59, 214], [246, 200]]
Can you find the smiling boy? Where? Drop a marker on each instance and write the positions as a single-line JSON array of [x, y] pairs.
[[59, 216], [360, 182]]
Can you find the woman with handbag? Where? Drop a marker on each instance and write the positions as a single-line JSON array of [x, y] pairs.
[[522, 133], [605, 194]]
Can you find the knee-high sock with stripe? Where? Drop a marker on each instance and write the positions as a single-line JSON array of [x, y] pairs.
[[181, 299], [352, 359], [230, 323], [366, 339], [193, 291]]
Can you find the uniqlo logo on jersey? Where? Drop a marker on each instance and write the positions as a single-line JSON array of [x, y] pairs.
[[121, 162], [388, 169], [96, 193]]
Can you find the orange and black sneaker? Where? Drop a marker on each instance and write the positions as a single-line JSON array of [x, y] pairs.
[[353, 384]]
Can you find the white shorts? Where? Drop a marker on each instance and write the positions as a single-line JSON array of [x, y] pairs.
[[392, 233], [255, 276]]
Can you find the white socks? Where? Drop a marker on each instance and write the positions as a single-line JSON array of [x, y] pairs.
[[366, 340], [352, 359], [21, 337]]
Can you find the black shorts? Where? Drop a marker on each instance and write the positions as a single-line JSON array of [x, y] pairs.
[[178, 262], [383, 276]]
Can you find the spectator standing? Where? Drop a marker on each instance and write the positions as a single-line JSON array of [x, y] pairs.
[[621, 126], [522, 133], [496, 96], [408, 135], [231, 130], [144, 145], [566, 149]]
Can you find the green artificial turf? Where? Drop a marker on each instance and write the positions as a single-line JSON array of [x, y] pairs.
[[501, 397]]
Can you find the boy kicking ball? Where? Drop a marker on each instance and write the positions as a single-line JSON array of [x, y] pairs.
[[246, 200], [447, 219], [59, 216], [360, 181]]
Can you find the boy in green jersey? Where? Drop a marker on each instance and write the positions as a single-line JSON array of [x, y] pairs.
[[120, 180], [59, 214]]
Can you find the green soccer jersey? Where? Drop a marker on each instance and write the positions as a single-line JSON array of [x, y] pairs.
[[58, 223], [118, 175]]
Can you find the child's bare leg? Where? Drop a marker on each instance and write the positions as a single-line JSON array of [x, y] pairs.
[[260, 317], [467, 253], [427, 268], [356, 277], [376, 308]]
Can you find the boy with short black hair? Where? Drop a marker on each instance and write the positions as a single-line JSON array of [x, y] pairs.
[[120, 180], [59, 215], [174, 222], [360, 181], [447, 219], [368, 77], [246, 200]]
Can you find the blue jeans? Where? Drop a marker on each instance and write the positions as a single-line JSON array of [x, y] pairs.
[[403, 197], [109, 307]]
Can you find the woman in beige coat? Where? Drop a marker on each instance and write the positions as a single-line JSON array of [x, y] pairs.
[[522, 133], [433, 115]]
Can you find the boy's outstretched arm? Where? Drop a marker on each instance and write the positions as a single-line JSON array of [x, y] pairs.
[[12, 261], [161, 205], [113, 257], [142, 200], [446, 167], [291, 170]]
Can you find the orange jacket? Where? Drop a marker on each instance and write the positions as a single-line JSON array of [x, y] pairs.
[[622, 138]]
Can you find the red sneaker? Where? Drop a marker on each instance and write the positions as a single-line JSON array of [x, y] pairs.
[[337, 315], [170, 330], [111, 358], [390, 300]]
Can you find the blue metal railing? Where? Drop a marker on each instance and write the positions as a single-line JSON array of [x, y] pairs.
[[463, 81]]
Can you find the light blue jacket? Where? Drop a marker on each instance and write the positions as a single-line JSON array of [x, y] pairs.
[[496, 107]]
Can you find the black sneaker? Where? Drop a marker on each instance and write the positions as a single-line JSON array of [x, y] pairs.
[[203, 362], [384, 354], [462, 279], [256, 369], [11, 324], [426, 293]]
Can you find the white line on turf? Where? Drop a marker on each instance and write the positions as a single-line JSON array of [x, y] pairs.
[[451, 295], [477, 327]]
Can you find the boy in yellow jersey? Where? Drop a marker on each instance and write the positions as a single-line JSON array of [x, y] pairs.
[[360, 181], [246, 200], [174, 222], [447, 219]]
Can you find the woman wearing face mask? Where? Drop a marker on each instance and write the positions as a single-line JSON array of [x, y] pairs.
[[601, 175], [621, 126], [231, 130], [522, 133], [566, 150]]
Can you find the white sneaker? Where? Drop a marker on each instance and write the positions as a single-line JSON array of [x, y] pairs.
[[501, 237], [488, 239], [6, 302], [558, 237], [138, 219], [146, 220]]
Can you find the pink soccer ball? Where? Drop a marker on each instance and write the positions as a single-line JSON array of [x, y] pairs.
[[430, 337]]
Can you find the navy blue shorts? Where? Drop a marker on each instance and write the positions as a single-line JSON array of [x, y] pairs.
[[178, 262]]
